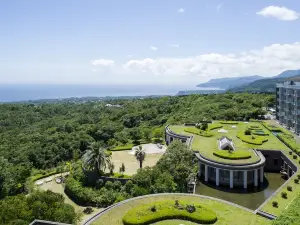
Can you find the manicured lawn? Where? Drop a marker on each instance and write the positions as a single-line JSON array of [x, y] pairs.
[[226, 214], [165, 210], [207, 145]]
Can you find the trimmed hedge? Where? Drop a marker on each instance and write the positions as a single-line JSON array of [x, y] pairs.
[[258, 140], [206, 133], [259, 133], [271, 127], [164, 210], [122, 148], [235, 155], [195, 130], [289, 141], [229, 122], [213, 126], [192, 130], [41, 176]]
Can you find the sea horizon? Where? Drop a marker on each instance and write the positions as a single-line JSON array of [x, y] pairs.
[[27, 92]]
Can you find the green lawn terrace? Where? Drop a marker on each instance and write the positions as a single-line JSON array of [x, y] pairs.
[[226, 212], [207, 146]]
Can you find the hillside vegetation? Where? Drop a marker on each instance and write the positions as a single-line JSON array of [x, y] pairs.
[[43, 136]]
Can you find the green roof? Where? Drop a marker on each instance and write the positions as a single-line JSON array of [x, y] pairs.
[[208, 145]]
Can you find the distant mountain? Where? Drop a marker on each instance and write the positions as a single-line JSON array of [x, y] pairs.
[[288, 73], [229, 82], [263, 85]]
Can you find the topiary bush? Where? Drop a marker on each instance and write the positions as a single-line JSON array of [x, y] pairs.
[[284, 194], [295, 156], [290, 152], [296, 181], [275, 204], [289, 188]]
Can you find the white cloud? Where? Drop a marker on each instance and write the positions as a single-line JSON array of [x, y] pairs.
[[270, 60], [181, 10], [280, 13], [154, 48], [175, 45], [103, 62], [219, 7]]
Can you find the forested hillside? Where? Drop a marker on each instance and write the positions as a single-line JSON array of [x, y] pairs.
[[44, 135]]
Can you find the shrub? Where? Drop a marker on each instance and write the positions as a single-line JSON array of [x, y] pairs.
[[78, 193], [283, 194], [296, 181], [128, 186], [99, 183], [295, 156], [233, 155], [88, 210], [108, 185], [204, 126], [117, 185], [247, 132], [165, 210], [275, 204], [289, 188], [190, 208], [291, 153], [153, 208]]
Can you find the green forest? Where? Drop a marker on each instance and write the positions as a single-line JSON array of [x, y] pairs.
[[37, 137]]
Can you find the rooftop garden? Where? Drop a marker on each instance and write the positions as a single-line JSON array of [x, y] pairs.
[[245, 136], [209, 211], [284, 197]]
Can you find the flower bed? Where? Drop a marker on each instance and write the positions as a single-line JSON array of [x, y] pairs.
[[235, 155], [164, 210]]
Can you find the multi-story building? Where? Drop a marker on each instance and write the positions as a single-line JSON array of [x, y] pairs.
[[288, 105]]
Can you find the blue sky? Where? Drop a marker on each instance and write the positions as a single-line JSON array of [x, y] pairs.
[[157, 41]]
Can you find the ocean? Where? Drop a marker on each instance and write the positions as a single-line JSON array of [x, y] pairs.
[[11, 93]]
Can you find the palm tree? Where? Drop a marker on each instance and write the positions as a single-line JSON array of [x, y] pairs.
[[140, 155], [96, 158]]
